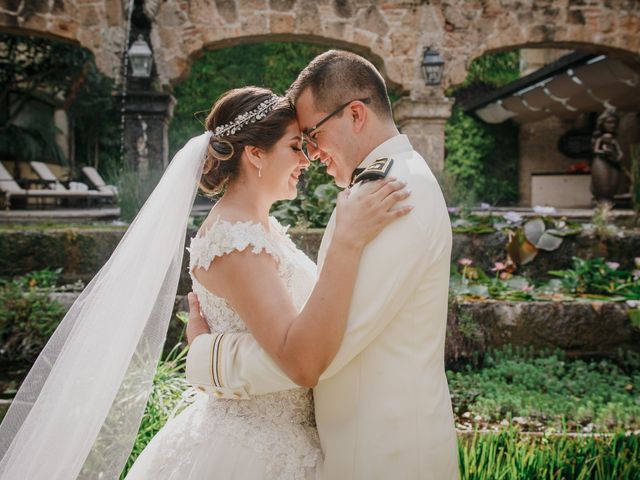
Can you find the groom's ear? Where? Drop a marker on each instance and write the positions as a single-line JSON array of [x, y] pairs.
[[358, 113]]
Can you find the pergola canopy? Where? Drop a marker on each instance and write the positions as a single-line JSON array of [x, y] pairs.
[[575, 83]]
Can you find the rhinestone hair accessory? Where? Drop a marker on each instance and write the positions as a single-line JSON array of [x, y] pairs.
[[246, 118]]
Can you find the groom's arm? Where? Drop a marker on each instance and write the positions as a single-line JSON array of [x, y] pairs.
[[391, 266]]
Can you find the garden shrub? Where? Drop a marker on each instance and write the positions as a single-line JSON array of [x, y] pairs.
[[482, 159], [165, 401], [546, 391], [28, 316]]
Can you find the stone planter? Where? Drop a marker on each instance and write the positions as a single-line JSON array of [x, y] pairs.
[[80, 252], [580, 329], [486, 249]]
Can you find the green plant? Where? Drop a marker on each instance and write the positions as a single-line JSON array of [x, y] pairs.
[[602, 221], [545, 391], [165, 401], [508, 456], [28, 316], [465, 222], [133, 189], [481, 159], [595, 276], [315, 202], [495, 69], [468, 328], [526, 241]]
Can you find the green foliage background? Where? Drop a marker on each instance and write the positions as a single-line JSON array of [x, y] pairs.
[[63, 75], [273, 65], [482, 159]]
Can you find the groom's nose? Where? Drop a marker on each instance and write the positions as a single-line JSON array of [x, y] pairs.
[[312, 151]]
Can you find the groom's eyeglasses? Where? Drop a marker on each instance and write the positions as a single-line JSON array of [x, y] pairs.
[[307, 133]]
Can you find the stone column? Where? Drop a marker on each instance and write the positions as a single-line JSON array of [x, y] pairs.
[[147, 116], [422, 119]]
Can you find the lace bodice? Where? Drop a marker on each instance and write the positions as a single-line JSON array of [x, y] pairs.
[[281, 425], [294, 267]]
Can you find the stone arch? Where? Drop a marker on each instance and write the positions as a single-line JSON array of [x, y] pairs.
[[97, 26], [603, 26], [382, 34]]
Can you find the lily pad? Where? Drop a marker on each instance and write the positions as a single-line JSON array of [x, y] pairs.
[[517, 283], [479, 290], [548, 242], [533, 230], [566, 231]]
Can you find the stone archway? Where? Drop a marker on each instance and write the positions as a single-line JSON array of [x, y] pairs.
[[392, 33], [596, 25], [383, 34], [97, 26]]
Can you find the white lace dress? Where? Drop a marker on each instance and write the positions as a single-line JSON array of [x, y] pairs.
[[266, 437]]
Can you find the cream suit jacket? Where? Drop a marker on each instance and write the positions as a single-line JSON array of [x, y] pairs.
[[382, 407]]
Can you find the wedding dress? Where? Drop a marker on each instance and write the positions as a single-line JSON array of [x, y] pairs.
[[270, 436]]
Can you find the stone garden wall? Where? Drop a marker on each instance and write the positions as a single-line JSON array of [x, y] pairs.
[[391, 32], [80, 252], [580, 328]]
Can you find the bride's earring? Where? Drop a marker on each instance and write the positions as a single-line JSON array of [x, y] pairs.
[[259, 172]]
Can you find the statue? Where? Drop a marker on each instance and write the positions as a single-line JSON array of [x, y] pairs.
[[606, 169]]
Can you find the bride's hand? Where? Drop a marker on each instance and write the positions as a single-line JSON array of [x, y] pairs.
[[196, 324], [362, 214]]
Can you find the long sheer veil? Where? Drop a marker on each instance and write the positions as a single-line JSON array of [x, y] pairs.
[[77, 413]]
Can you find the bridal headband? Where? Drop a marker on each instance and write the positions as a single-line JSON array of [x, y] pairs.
[[246, 118]]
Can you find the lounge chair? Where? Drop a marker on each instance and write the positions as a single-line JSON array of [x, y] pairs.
[[11, 189], [45, 173], [97, 181]]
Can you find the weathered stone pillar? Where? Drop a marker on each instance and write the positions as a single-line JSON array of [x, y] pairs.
[[146, 122], [422, 119]]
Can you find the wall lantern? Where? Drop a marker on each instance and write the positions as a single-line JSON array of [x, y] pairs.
[[432, 67], [141, 58]]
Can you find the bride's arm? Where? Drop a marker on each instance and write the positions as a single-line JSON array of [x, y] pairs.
[[303, 343]]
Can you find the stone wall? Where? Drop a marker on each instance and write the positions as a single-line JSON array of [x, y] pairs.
[[580, 329], [81, 252], [393, 33], [97, 25]]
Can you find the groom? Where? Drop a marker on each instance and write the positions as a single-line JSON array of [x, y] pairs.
[[382, 407]]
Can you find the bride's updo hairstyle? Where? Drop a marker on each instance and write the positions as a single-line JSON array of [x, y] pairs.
[[222, 163]]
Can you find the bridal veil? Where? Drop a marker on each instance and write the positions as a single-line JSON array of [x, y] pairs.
[[77, 413]]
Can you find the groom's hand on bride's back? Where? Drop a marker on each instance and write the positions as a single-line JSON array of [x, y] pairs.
[[196, 324]]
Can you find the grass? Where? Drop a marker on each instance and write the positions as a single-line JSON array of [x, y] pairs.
[[542, 391], [509, 456], [504, 455]]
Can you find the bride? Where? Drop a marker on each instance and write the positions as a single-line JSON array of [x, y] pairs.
[[274, 435], [77, 412]]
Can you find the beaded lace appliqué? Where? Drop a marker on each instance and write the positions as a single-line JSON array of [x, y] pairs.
[[279, 427]]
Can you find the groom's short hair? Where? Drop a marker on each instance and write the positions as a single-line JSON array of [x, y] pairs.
[[337, 77]]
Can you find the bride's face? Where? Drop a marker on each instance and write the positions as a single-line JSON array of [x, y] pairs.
[[283, 165]]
